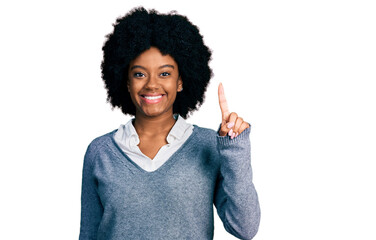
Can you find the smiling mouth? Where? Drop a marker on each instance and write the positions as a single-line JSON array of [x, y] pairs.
[[152, 97]]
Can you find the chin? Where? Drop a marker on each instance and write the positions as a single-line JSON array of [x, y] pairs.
[[152, 113], [155, 112]]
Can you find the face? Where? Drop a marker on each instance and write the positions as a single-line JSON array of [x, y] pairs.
[[153, 82]]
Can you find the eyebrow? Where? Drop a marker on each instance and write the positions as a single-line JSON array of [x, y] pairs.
[[163, 66]]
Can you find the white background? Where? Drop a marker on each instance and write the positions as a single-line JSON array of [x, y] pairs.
[[301, 72]]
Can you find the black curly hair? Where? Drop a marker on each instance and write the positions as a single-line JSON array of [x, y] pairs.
[[173, 35]]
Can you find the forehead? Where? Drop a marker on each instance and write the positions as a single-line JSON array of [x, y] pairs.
[[153, 58]]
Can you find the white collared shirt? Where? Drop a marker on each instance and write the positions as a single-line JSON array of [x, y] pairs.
[[127, 139]]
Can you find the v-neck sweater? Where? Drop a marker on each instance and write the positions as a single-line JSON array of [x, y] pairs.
[[120, 200]]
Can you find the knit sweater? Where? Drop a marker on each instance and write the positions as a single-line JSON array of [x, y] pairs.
[[120, 200]]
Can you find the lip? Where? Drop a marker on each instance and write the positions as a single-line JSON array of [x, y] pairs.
[[152, 98]]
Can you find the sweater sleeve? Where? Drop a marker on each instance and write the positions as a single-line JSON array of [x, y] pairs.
[[91, 207], [235, 197]]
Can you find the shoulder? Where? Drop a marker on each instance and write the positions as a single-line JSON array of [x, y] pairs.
[[100, 142], [204, 136], [204, 132]]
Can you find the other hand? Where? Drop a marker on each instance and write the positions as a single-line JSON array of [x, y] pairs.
[[232, 124]]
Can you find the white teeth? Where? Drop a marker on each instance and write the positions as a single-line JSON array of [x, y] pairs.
[[152, 97]]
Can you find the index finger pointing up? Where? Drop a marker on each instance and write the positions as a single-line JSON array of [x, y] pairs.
[[223, 103]]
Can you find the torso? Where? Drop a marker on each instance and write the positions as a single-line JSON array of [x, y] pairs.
[[178, 195]]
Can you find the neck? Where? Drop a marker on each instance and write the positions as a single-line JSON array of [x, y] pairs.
[[149, 126]]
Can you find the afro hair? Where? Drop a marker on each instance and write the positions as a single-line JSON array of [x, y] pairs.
[[173, 35]]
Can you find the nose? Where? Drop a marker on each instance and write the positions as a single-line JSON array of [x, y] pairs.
[[152, 83]]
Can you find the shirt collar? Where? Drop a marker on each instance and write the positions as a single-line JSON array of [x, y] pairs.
[[176, 133], [178, 130], [131, 134]]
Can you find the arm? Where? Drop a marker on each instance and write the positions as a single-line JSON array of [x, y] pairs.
[[91, 207], [236, 197]]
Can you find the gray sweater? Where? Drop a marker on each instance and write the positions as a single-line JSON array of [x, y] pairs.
[[120, 200]]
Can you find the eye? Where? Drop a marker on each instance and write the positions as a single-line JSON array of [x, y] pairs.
[[138, 75], [165, 74]]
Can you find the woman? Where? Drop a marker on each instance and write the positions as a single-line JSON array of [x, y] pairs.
[[157, 177]]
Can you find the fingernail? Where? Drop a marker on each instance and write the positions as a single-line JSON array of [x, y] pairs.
[[233, 135], [236, 134], [230, 124], [230, 132]]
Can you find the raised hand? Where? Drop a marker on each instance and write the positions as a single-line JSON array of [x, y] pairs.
[[231, 124]]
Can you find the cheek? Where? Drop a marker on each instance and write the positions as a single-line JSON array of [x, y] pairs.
[[173, 85], [133, 87], [133, 92]]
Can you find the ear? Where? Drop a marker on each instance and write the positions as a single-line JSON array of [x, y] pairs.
[[128, 85], [180, 84]]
